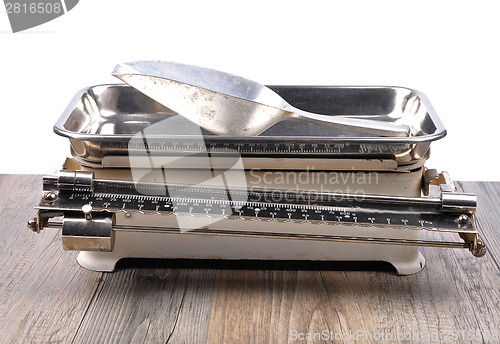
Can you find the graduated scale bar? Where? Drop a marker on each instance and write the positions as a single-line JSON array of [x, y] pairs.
[[452, 212]]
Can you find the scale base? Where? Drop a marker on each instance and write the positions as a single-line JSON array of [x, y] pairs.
[[142, 244]]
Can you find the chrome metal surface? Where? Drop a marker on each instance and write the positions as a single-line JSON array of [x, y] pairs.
[[81, 233], [49, 196], [230, 105], [87, 211], [463, 219], [290, 236], [101, 121], [457, 202], [33, 225], [69, 180], [447, 202]]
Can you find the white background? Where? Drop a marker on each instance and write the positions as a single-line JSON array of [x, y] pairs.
[[447, 49]]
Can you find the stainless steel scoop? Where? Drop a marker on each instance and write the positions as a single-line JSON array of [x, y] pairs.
[[227, 104]]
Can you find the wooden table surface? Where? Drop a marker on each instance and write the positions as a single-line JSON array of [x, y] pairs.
[[45, 296]]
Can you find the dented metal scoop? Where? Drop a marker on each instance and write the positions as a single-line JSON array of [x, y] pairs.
[[227, 104]]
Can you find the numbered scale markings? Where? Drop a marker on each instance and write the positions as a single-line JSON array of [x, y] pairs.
[[343, 212]]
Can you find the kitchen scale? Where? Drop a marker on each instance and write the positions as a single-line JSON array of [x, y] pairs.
[[142, 181]]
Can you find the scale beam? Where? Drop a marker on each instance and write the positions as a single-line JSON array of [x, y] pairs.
[[77, 195]]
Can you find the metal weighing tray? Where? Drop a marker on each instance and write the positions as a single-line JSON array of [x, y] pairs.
[[102, 120]]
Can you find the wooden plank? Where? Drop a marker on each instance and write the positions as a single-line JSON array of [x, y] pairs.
[[46, 297], [454, 297], [454, 292], [150, 305], [43, 294]]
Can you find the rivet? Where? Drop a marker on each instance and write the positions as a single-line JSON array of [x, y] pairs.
[[463, 219], [33, 225], [87, 211], [49, 196]]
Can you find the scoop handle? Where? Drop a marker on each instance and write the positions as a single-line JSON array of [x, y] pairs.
[[365, 126]]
